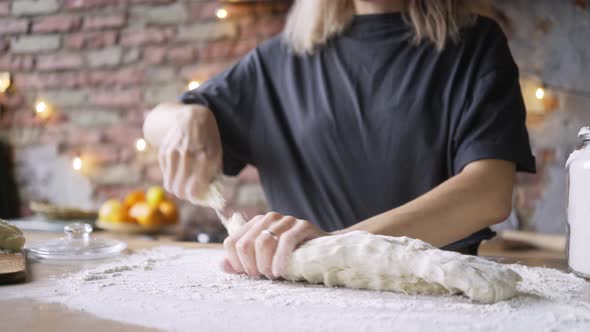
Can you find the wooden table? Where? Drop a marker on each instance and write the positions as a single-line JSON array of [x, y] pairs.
[[29, 315]]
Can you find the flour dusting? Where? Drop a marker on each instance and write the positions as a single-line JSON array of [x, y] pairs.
[[183, 290]]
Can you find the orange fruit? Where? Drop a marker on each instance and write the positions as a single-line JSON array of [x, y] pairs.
[[134, 197], [113, 211], [169, 212], [146, 215], [155, 195]]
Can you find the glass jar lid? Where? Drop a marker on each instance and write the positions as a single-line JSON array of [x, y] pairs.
[[76, 245]]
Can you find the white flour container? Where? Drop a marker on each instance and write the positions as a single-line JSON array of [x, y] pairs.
[[578, 207]]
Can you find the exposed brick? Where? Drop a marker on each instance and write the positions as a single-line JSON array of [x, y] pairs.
[[58, 23], [13, 26], [22, 118], [146, 36], [207, 31], [161, 74], [55, 134], [154, 55], [182, 55], [3, 44], [51, 80], [116, 175], [95, 39], [156, 94], [131, 55], [270, 26], [217, 49], [135, 117], [123, 134], [242, 48], [116, 77], [59, 61], [152, 2], [203, 9], [127, 154], [106, 57], [91, 118], [104, 192], [241, 10], [101, 154], [15, 100], [85, 135], [13, 62], [105, 21], [87, 4], [34, 43], [168, 14], [203, 71], [4, 8], [153, 173], [118, 98], [34, 7], [63, 98]]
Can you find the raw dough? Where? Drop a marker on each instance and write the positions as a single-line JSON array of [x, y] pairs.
[[399, 264], [213, 198], [10, 237]]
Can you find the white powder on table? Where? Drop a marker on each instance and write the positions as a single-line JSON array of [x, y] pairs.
[[183, 290]]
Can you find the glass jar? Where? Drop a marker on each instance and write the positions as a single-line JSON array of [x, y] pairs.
[[578, 207]]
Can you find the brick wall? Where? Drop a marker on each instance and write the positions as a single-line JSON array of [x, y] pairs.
[[100, 65]]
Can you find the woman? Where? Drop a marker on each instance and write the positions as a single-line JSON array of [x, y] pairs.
[[402, 118]]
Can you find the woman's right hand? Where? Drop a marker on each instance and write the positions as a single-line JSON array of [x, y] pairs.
[[189, 146]]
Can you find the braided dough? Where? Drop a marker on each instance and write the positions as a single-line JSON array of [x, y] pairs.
[[400, 264]]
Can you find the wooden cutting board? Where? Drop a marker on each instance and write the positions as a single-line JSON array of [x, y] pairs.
[[13, 268]]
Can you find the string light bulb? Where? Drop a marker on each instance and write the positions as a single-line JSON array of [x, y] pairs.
[[77, 163], [193, 85], [140, 145], [4, 81], [41, 107], [221, 14], [43, 110], [540, 93]]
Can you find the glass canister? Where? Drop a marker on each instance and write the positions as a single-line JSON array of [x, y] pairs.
[[578, 207]]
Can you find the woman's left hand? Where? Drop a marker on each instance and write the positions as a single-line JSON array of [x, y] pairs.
[[264, 245]]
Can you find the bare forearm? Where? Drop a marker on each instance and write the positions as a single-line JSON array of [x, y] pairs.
[[478, 197]]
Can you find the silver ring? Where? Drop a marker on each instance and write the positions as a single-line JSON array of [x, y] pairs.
[[271, 234]]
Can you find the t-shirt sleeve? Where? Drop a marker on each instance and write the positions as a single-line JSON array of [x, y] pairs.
[[229, 96], [492, 124]]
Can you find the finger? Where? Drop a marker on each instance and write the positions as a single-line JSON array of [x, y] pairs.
[[230, 247], [182, 172], [192, 190], [266, 245], [163, 161], [246, 246], [287, 244], [172, 159], [226, 266], [205, 168]]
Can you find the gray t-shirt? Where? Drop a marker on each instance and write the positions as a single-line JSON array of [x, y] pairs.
[[369, 121]]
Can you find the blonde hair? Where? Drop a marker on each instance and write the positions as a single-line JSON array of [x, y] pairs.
[[311, 23]]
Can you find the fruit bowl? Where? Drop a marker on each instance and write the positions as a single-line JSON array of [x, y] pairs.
[[129, 227], [139, 212]]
